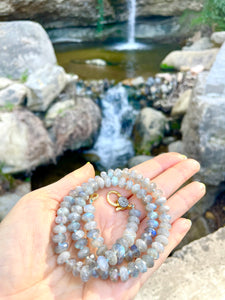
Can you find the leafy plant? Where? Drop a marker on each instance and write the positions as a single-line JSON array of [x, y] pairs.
[[7, 107], [100, 9], [213, 14], [24, 76], [166, 67]]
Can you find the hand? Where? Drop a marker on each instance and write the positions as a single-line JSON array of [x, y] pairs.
[[28, 268]]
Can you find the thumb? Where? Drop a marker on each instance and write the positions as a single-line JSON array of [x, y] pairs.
[[63, 186]]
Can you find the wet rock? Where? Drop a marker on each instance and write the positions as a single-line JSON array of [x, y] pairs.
[[96, 62], [135, 82], [76, 127], [25, 143], [8, 200], [149, 129], [13, 95], [136, 160], [176, 147], [24, 48], [4, 82], [188, 59], [218, 38], [203, 43], [45, 85], [181, 106]]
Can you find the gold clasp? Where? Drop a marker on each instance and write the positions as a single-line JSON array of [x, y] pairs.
[[93, 197], [116, 204]]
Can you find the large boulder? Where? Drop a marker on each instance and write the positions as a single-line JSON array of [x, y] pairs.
[[76, 126], [13, 95], [25, 143], [45, 85], [24, 48], [185, 60], [203, 127], [218, 38], [149, 129], [197, 272]]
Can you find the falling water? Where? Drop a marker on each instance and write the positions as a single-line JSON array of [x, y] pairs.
[[131, 22], [113, 146]]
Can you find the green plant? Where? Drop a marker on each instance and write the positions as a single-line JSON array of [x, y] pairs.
[[100, 9], [213, 14], [24, 76], [7, 106], [166, 67]]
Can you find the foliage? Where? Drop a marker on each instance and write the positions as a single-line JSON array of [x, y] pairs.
[[7, 107], [100, 9], [24, 76], [213, 14], [165, 67]]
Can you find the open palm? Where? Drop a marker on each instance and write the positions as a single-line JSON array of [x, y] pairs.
[[28, 268]]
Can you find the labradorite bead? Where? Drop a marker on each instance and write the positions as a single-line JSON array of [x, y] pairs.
[[129, 184], [150, 206], [74, 217], [77, 268], [90, 225], [73, 226], [135, 212], [153, 215], [165, 225], [133, 269], [122, 241], [118, 173], [70, 263], [160, 201], [151, 231], [83, 252], [141, 245], [124, 275], [164, 208], [81, 243], [87, 217], [158, 246], [141, 264], [61, 247], [85, 273], [65, 204], [78, 235], [119, 250], [63, 257], [59, 238], [148, 259], [101, 250], [129, 239], [59, 229], [146, 237], [77, 209], [153, 252], [61, 220], [93, 234], [134, 219], [147, 199], [98, 242], [111, 256], [115, 181], [107, 181], [135, 251], [122, 182], [100, 182], [114, 274], [153, 223], [165, 217], [141, 194], [123, 202], [63, 211], [110, 173], [69, 199], [135, 188], [132, 226], [103, 263], [80, 201], [162, 239], [89, 208], [163, 231], [103, 275]]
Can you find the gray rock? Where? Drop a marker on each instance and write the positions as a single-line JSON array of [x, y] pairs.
[[136, 160], [136, 82], [149, 129], [181, 106], [176, 147], [218, 38], [181, 60], [76, 127], [5, 82], [197, 271], [45, 85], [25, 143], [98, 62], [24, 48], [8, 200], [203, 43], [13, 95]]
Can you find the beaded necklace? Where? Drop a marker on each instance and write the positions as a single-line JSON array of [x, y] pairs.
[[76, 216]]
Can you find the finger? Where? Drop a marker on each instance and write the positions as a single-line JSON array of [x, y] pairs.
[[62, 187], [185, 198]]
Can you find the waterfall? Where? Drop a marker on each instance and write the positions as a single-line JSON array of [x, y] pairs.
[[131, 21], [113, 146]]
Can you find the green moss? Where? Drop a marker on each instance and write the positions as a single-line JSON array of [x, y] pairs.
[[165, 67], [24, 76], [7, 107]]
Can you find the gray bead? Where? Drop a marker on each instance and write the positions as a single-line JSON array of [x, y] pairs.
[[135, 188], [146, 238], [129, 185], [79, 234], [59, 229], [123, 202], [134, 219], [110, 172], [165, 217], [103, 174], [163, 231], [129, 239], [141, 264], [165, 225], [164, 208], [59, 238], [162, 239], [111, 256], [63, 211], [147, 199], [157, 193], [63, 257], [90, 225], [61, 247], [83, 252], [151, 187], [103, 263], [153, 252], [122, 182], [145, 182], [120, 252], [100, 182], [81, 243], [133, 226], [65, 204], [69, 199], [90, 261], [158, 246], [123, 242], [141, 194], [133, 269], [85, 273], [74, 217], [73, 226], [148, 260], [98, 242], [107, 181], [87, 188], [135, 251], [77, 209], [70, 264], [124, 275], [141, 245], [61, 220], [160, 201], [118, 173], [129, 255], [135, 212], [101, 250], [77, 268], [93, 234], [87, 217], [103, 275], [126, 172], [80, 201], [89, 208], [114, 274], [150, 207]]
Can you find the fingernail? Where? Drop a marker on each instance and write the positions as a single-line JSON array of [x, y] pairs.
[[187, 223], [203, 186], [182, 156], [88, 163], [196, 164]]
